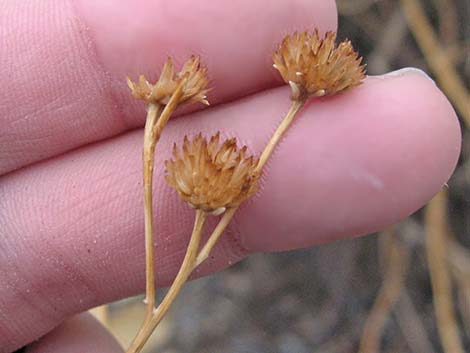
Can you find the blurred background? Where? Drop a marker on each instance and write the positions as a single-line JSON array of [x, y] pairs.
[[406, 290]]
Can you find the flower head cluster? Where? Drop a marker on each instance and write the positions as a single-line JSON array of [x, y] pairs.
[[192, 76], [315, 66], [212, 176]]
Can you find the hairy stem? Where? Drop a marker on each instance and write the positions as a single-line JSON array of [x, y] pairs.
[[281, 129], [268, 150], [180, 279]]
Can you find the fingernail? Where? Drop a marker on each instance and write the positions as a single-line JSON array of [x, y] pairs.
[[409, 71]]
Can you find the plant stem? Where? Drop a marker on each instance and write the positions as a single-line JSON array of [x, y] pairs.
[[388, 295], [170, 107], [157, 117], [281, 129], [180, 279], [219, 229], [192, 258], [227, 217], [153, 111], [436, 227]]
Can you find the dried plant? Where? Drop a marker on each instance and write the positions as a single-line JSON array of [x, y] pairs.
[[210, 176], [317, 67], [193, 90], [313, 67], [215, 178], [162, 98]]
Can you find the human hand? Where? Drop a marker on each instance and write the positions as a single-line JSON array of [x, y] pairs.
[[71, 225]]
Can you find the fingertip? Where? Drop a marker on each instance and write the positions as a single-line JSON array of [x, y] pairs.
[[427, 111], [361, 161]]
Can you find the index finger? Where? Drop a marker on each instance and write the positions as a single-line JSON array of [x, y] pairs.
[[67, 88]]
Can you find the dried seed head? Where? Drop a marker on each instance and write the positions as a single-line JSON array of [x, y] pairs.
[[315, 66], [212, 176], [194, 84]]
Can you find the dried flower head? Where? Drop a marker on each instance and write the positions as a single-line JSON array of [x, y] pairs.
[[212, 176], [315, 66], [193, 76]]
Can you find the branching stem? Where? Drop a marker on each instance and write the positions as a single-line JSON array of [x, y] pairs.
[[268, 150], [157, 117], [180, 279], [219, 229], [193, 258]]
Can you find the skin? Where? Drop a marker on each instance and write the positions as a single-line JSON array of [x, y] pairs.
[[71, 224]]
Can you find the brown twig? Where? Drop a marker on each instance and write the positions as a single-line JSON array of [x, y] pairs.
[[448, 21], [436, 250], [411, 325], [388, 294], [436, 57], [459, 260]]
